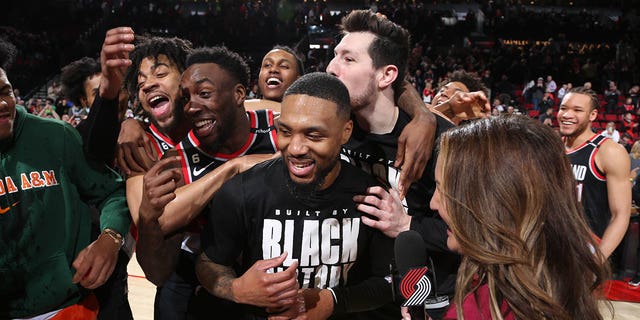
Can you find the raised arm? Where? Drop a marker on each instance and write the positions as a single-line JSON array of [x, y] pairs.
[[415, 143], [615, 162], [465, 106], [100, 130]]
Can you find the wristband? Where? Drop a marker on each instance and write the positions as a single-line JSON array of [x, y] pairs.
[[117, 238]]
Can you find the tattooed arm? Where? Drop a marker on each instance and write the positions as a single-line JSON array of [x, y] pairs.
[[255, 287]]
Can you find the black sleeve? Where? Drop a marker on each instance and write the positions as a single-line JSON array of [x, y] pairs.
[[433, 230], [99, 131], [223, 237], [375, 291]]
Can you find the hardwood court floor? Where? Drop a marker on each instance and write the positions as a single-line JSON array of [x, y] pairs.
[[142, 293]]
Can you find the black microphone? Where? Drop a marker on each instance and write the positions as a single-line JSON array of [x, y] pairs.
[[413, 286]]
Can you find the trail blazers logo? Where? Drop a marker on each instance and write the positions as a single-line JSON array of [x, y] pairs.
[[415, 287]]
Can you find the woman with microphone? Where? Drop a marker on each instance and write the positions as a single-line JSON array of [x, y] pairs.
[[506, 191]]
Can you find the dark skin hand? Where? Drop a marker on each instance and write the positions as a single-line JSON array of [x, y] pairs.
[[96, 262], [272, 290], [135, 152], [114, 60], [159, 186], [157, 254], [416, 141]]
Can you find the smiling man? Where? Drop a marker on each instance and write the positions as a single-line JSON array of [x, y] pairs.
[[304, 229], [213, 87], [154, 78], [371, 60], [601, 168], [280, 67]]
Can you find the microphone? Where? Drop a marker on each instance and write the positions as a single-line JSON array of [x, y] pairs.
[[416, 286]]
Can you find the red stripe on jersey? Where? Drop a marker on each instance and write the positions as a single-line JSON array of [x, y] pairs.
[[578, 147], [592, 160], [252, 136], [193, 138], [155, 144], [184, 164], [164, 138], [274, 133]]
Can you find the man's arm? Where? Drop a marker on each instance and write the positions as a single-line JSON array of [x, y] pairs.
[[103, 188], [135, 154], [614, 161], [465, 106], [223, 239], [191, 199], [255, 287], [415, 143], [157, 254], [100, 130]]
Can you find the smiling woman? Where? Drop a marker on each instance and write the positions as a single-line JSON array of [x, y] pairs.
[[507, 220]]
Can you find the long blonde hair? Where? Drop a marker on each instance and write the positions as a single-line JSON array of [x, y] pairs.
[[635, 150], [510, 194]]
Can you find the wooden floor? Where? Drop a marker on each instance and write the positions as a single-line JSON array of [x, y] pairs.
[[142, 292]]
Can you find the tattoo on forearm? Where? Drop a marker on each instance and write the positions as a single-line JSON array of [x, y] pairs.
[[215, 278]]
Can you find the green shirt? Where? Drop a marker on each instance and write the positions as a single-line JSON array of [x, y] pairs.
[[46, 187]]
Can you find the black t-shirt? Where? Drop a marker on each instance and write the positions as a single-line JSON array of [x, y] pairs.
[[256, 216]]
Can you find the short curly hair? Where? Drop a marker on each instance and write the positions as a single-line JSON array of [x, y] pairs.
[[228, 60], [471, 80], [175, 49]]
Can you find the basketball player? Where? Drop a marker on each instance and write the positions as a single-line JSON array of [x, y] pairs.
[[280, 67], [214, 87], [303, 228], [601, 168], [370, 60]]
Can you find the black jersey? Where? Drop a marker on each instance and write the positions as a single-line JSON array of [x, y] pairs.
[[256, 216], [591, 183], [196, 162], [161, 143], [375, 154]]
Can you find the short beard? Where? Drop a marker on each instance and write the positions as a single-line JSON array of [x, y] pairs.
[[362, 101], [307, 192]]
